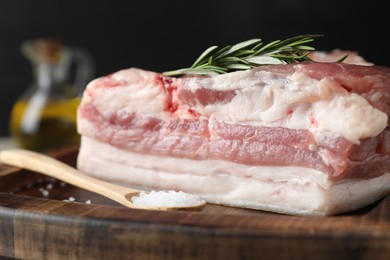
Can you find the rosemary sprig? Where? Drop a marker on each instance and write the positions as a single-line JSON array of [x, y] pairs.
[[248, 54]]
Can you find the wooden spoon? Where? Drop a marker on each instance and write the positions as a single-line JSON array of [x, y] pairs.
[[47, 165]]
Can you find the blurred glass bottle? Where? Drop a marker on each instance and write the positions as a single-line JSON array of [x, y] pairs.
[[44, 117]]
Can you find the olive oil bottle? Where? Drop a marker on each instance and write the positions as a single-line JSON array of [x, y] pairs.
[[44, 117], [53, 126]]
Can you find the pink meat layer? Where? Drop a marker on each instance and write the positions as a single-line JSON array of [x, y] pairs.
[[197, 138]]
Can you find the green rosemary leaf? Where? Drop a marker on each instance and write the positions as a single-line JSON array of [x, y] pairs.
[[258, 46], [229, 60], [261, 60], [305, 48], [243, 45], [267, 46], [222, 52], [244, 53], [176, 72], [204, 55], [237, 66], [217, 69]]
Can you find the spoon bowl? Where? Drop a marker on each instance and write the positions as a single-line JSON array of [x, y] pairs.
[[49, 166]]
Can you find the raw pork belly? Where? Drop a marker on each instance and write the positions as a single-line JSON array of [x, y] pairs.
[[302, 139]]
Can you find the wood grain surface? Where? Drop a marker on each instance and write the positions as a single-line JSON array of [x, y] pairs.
[[39, 220]]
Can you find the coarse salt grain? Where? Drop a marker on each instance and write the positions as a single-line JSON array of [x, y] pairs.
[[169, 198], [44, 192]]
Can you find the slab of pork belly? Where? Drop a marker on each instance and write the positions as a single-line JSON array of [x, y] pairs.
[[329, 118]]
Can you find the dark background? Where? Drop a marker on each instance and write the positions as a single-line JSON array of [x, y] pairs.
[[167, 35]]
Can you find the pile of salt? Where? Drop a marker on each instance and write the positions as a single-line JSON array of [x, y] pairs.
[[169, 198]]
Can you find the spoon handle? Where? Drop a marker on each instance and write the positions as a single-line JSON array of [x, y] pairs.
[[47, 165]]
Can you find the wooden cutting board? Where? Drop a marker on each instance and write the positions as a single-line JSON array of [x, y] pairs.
[[40, 220]]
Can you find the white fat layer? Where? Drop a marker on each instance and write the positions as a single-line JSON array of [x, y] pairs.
[[290, 190], [138, 92], [262, 98], [363, 120]]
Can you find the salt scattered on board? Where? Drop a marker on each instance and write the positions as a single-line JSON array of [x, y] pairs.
[[169, 198]]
